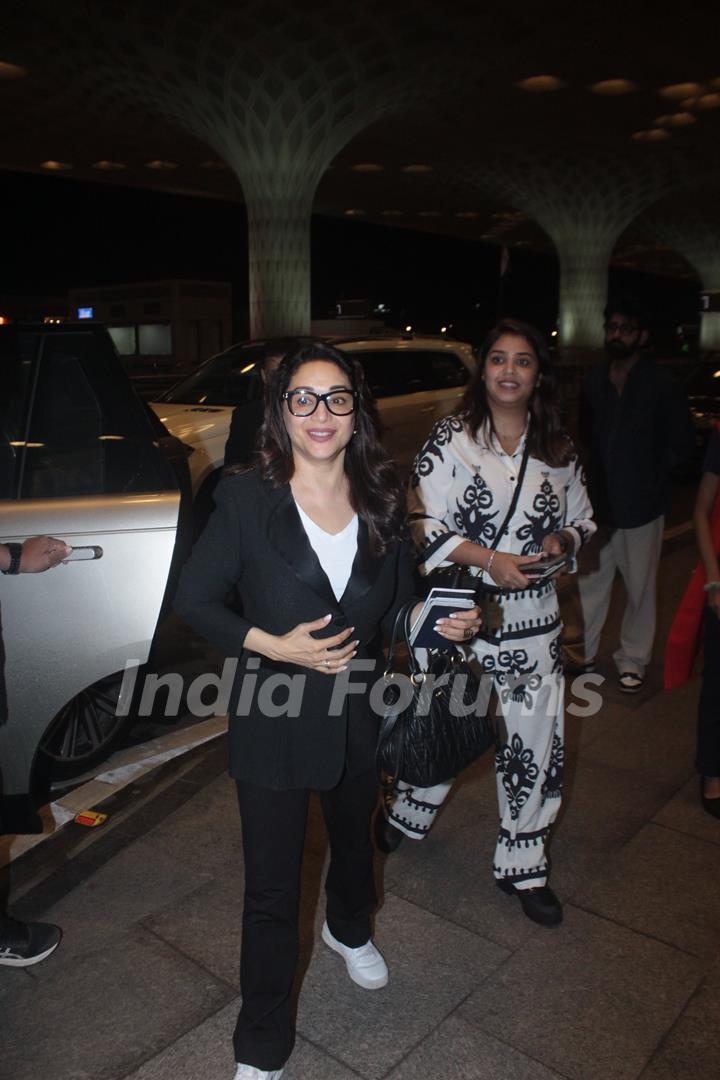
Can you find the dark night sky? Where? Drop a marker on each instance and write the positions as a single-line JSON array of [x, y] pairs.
[[59, 233]]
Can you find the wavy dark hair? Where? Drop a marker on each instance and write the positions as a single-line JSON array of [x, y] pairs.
[[547, 438], [376, 494]]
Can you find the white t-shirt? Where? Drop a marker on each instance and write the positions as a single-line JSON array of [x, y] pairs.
[[335, 551]]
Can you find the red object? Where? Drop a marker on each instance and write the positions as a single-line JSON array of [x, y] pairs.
[[683, 643]]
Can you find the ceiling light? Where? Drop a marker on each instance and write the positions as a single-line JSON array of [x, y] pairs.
[[613, 87], [429, 213], [676, 91], [55, 166], [109, 166], [541, 84], [11, 71], [367, 167], [678, 119], [159, 166], [354, 212], [416, 170], [709, 101], [651, 135], [214, 165], [392, 213]]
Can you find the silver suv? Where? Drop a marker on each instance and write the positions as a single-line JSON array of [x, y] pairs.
[[415, 381], [81, 459]]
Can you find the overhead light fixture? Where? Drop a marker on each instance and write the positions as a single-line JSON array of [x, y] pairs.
[[612, 87], [367, 167], [678, 119], [56, 166], [408, 329], [677, 91], [11, 71], [161, 166], [651, 135], [109, 166], [354, 212], [416, 170], [541, 84], [709, 101]]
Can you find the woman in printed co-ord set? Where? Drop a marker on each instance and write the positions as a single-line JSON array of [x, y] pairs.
[[506, 434]]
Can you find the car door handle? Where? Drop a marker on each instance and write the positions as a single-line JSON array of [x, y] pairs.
[[84, 554]]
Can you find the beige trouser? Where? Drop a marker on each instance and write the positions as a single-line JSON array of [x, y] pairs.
[[636, 554]]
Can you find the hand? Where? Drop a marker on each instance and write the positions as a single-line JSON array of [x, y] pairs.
[[460, 625], [41, 552], [298, 646], [553, 544], [504, 570]]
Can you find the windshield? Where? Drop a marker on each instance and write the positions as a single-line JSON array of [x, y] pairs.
[[231, 378]]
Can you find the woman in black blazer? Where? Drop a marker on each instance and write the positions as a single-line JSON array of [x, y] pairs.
[[311, 539]]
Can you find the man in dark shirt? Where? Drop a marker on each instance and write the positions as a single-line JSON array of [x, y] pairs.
[[634, 424]]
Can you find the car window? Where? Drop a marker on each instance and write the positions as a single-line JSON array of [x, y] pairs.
[[232, 378], [16, 368], [87, 432], [392, 372]]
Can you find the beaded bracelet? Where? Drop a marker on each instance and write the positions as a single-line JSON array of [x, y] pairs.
[[493, 553]]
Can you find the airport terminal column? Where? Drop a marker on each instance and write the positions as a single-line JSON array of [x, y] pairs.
[[694, 232], [583, 202]]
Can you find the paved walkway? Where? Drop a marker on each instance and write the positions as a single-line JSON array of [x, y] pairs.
[[144, 985]]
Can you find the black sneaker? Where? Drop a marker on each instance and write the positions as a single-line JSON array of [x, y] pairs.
[[539, 904], [630, 682], [24, 944]]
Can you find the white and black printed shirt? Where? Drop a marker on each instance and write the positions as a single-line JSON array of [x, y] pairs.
[[461, 489]]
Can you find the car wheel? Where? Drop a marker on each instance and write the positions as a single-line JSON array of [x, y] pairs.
[[85, 731]]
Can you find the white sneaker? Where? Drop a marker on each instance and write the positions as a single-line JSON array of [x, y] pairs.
[[249, 1072], [365, 965]]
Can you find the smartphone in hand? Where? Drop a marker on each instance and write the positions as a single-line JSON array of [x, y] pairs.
[[543, 569]]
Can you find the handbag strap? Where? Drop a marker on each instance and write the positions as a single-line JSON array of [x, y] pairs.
[[516, 496], [401, 633], [458, 577]]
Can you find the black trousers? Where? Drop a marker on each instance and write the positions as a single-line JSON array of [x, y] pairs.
[[708, 728], [273, 831]]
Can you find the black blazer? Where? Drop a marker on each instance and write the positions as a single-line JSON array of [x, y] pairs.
[[255, 540]]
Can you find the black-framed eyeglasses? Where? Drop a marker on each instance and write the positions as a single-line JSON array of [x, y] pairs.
[[305, 402], [624, 328]]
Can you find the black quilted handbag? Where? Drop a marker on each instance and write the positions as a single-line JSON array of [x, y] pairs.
[[430, 730]]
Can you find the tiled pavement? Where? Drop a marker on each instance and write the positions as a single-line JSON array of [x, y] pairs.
[[144, 985]]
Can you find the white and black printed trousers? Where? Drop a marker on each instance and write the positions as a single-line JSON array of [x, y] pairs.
[[523, 665]]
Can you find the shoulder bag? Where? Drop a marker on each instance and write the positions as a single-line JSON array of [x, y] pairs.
[[435, 721]]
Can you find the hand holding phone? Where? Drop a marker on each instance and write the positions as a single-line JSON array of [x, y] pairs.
[[542, 570]]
